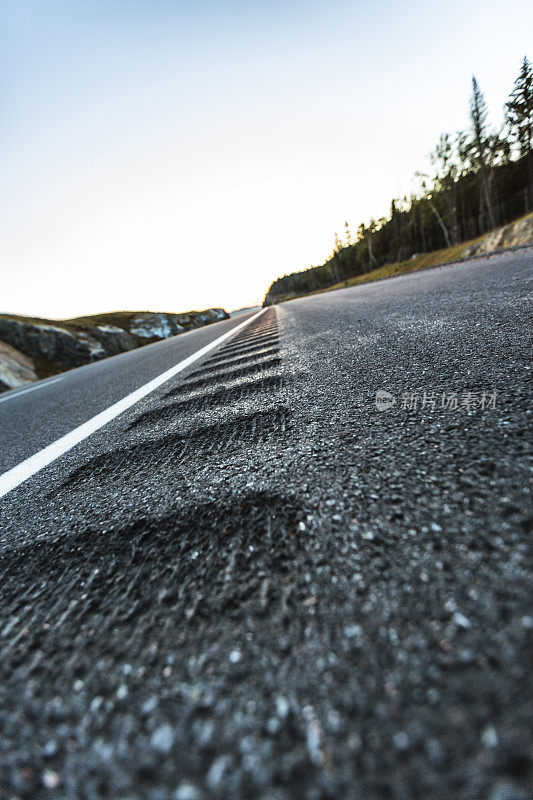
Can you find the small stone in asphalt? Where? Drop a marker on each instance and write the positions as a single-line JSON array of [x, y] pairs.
[[162, 739]]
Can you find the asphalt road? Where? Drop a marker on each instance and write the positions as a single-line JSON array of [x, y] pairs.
[[256, 584]]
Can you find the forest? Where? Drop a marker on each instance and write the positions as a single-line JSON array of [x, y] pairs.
[[480, 178]]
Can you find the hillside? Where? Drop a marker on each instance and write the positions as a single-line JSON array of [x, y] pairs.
[[51, 346], [517, 233]]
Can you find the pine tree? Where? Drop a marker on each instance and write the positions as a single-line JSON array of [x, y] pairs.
[[443, 160], [427, 196], [481, 146], [347, 234], [370, 232], [519, 115]]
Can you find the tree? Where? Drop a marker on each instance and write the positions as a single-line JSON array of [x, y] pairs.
[[481, 147], [499, 153], [443, 160], [396, 243], [519, 116], [334, 262], [369, 233], [347, 234], [426, 193], [465, 169]]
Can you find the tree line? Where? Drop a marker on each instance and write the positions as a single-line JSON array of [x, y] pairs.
[[480, 178]]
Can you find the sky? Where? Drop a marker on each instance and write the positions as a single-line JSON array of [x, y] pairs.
[[174, 155]]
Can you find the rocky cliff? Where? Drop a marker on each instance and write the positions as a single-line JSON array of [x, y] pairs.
[[52, 346], [16, 369], [517, 233]]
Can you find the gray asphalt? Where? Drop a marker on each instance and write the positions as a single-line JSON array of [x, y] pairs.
[[257, 584]]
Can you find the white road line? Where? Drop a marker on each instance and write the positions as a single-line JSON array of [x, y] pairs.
[[17, 475], [30, 389]]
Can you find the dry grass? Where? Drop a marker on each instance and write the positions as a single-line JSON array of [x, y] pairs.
[[410, 265]]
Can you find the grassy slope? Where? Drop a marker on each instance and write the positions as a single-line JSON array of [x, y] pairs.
[[38, 320], [118, 318], [411, 265]]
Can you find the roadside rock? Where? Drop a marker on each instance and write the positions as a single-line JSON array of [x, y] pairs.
[[57, 345], [154, 326], [16, 369], [161, 325], [65, 346], [516, 233]]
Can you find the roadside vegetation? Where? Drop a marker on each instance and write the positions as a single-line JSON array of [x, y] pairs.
[[417, 262], [481, 178]]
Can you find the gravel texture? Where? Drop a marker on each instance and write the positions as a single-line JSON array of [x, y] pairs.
[[255, 584]]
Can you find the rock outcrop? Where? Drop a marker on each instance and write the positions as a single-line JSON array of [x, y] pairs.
[[16, 369], [57, 345], [516, 233], [61, 345], [154, 326]]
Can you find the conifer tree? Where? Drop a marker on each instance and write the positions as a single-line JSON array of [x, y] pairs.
[[347, 234], [481, 147], [519, 116], [443, 160]]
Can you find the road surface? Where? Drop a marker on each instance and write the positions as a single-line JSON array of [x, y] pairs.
[[255, 583]]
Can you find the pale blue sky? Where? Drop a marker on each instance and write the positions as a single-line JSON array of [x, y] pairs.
[[170, 155]]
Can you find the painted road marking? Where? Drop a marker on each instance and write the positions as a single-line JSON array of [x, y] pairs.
[[30, 389], [17, 475]]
